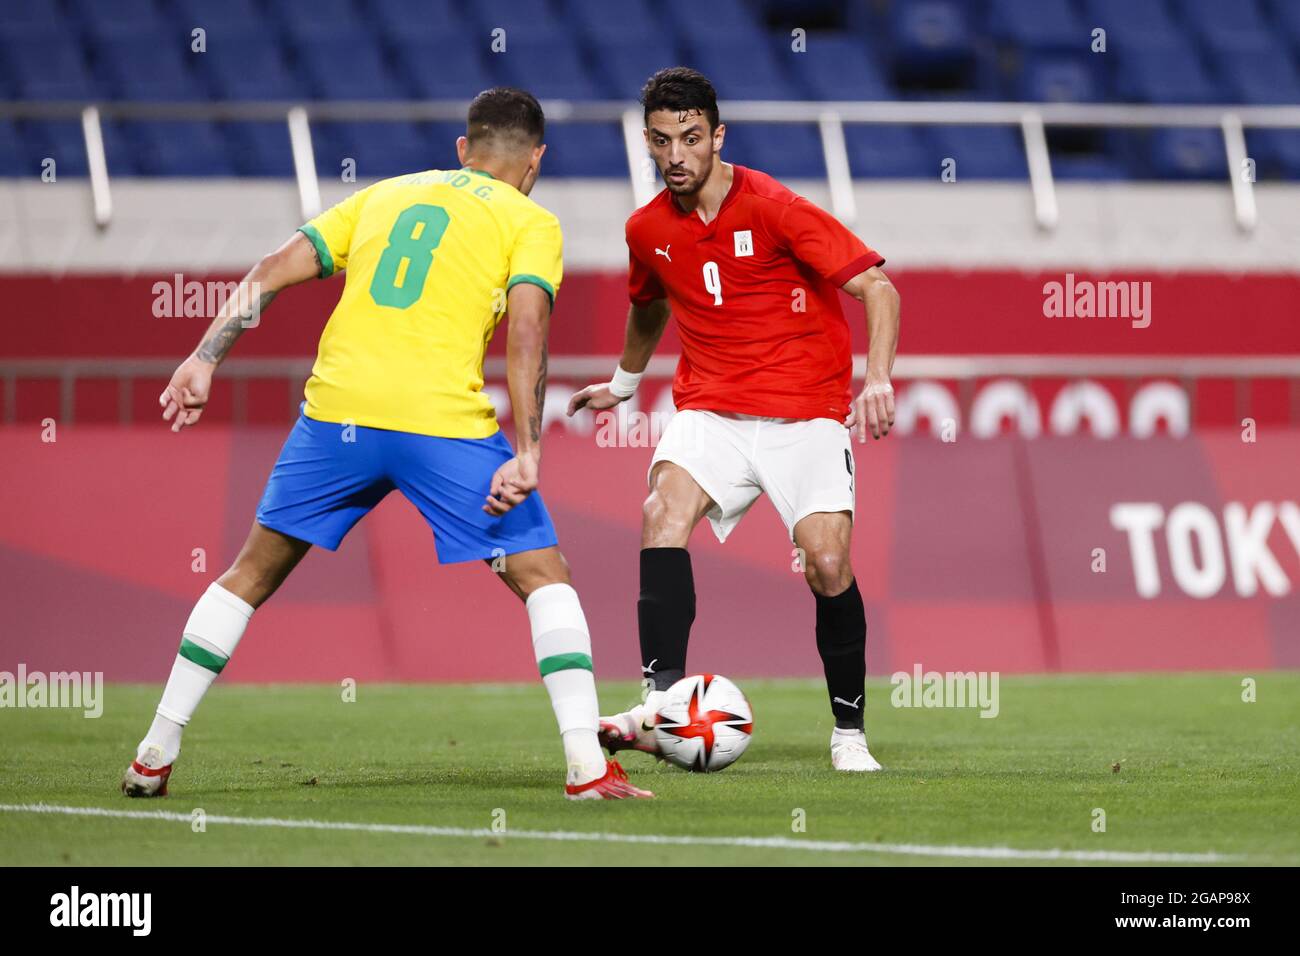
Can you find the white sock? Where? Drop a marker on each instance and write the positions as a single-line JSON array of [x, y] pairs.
[[562, 645], [210, 637]]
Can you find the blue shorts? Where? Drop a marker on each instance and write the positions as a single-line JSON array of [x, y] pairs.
[[322, 485]]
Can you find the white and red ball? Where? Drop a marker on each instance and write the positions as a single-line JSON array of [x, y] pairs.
[[704, 723]]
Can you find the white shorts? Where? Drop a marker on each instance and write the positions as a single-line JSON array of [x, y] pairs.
[[804, 466]]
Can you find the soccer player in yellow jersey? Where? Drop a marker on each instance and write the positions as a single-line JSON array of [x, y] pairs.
[[395, 402]]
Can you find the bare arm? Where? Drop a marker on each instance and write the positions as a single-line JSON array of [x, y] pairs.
[[529, 309], [645, 327], [183, 399], [874, 408]]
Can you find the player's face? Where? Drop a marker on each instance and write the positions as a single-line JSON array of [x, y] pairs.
[[683, 148]]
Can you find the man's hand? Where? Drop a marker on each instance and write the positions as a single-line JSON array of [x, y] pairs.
[[512, 483], [873, 409], [183, 399], [596, 397]]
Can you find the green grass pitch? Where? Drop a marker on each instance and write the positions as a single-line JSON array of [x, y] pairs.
[[1178, 763]]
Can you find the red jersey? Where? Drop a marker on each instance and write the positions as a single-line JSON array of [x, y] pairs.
[[755, 297]]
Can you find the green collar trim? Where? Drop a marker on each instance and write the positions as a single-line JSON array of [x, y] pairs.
[[477, 172]]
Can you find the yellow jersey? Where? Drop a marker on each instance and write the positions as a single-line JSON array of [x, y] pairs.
[[429, 259]]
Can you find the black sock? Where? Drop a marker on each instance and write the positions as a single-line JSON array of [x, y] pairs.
[[842, 643], [664, 613]]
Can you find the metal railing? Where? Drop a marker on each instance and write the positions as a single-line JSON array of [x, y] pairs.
[[582, 370], [1032, 119]]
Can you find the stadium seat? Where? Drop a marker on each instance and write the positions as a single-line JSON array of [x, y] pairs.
[[601, 22], [65, 143], [538, 19], [740, 70], [348, 68], [623, 65], [981, 152], [1183, 153], [1126, 22], [1286, 20], [1057, 78], [49, 68], [1238, 27], [378, 149], [442, 68], [150, 65], [31, 21], [13, 160], [103, 19], [261, 149], [932, 43], [835, 66], [1266, 74], [548, 67], [1094, 167], [784, 150], [878, 151], [307, 21], [1276, 153], [584, 149], [242, 65], [417, 21], [1170, 72], [180, 149], [1038, 25]]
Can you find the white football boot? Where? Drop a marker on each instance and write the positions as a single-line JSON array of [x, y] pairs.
[[633, 729], [849, 752], [147, 776]]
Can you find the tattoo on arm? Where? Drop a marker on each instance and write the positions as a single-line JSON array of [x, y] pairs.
[[215, 347], [539, 398]]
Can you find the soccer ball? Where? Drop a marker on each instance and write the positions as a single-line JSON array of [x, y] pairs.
[[704, 723]]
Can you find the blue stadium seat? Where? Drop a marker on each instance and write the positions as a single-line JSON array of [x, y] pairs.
[[1237, 27], [307, 21], [102, 19], [1038, 25], [49, 68], [1276, 153], [31, 20], [981, 152], [835, 66], [1186, 154], [261, 149], [13, 161], [248, 65], [378, 149], [602, 22], [348, 68], [932, 42], [584, 149], [1266, 74], [1057, 78], [1171, 72], [442, 68], [1093, 167], [783, 150], [417, 21], [147, 66], [227, 16], [548, 67], [1286, 17], [878, 151], [1143, 23], [625, 64], [740, 70], [180, 149], [65, 143], [538, 19]]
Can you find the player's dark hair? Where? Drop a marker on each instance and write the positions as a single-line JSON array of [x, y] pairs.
[[679, 88], [506, 115]]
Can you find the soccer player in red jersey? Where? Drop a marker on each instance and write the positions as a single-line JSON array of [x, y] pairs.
[[752, 272]]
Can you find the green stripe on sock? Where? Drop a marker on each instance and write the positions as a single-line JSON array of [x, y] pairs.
[[564, 662], [205, 658]]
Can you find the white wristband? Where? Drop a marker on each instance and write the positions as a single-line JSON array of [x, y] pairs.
[[624, 384]]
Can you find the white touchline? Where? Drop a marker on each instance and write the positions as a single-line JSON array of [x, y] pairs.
[[574, 836]]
